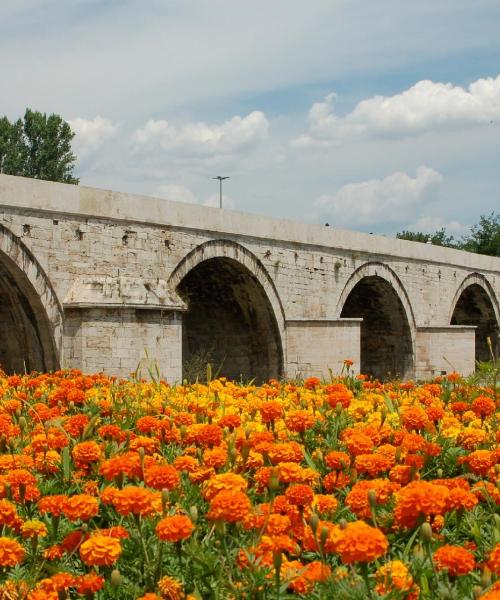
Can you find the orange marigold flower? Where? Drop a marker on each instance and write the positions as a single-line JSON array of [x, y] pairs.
[[86, 453], [81, 506], [229, 505], [174, 529], [285, 452], [483, 406], [311, 383], [415, 418], [299, 420], [358, 501], [223, 481], [215, 457], [325, 504], [460, 499], [170, 589], [161, 477], [336, 480], [133, 500], [493, 593], [270, 411], [480, 461], [456, 560], [11, 552], [8, 513], [494, 560], [53, 552], [394, 575], [359, 443], [88, 584], [128, 464], [373, 464], [337, 461], [299, 495], [208, 435], [417, 500], [361, 543], [277, 524], [100, 550]]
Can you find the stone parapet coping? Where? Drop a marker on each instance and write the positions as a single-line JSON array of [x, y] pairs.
[[35, 195]]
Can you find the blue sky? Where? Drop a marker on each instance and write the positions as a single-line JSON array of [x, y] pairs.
[[375, 116]]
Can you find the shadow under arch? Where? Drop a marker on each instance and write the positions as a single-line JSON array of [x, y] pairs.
[[30, 313], [235, 318], [375, 293], [475, 303]]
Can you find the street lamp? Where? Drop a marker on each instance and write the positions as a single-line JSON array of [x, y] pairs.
[[221, 179]]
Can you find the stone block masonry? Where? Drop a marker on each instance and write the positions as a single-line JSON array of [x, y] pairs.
[[105, 281]]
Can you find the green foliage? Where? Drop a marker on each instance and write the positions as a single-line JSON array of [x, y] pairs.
[[438, 238], [484, 237], [37, 146]]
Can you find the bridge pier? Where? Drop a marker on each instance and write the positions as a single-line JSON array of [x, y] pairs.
[[123, 326]]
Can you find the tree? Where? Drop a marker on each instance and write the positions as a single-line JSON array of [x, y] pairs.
[[484, 237], [38, 146], [438, 238]]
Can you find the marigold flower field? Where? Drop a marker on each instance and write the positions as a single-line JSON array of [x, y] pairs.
[[340, 489]]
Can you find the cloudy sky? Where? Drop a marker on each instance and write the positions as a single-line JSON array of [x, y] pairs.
[[375, 116]]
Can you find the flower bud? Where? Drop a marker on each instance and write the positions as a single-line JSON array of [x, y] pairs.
[[193, 513], [323, 535], [477, 592], [372, 498], [314, 522], [277, 560], [338, 408], [439, 473], [164, 501], [426, 532], [486, 578], [116, 578], [274, 480], [342, 523]]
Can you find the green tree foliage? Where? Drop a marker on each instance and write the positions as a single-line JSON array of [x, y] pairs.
[[37, 146], [438, 238], [484, 237]]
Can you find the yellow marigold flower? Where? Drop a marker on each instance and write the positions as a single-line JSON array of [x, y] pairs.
[[33, 529]]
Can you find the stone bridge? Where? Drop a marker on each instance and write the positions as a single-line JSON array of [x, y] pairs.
[[106, 281]]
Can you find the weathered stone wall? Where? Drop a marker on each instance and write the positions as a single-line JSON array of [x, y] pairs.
[[287, 278]]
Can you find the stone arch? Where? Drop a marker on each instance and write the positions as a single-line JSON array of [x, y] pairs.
[[475, 303], [242, 336], [375, 293], [30, 313]]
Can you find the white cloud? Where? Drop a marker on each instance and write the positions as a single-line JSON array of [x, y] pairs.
[[200, 138], [91, 133], [425, 106], [176, 192], [429, 224], [180, 193], [393, 199]]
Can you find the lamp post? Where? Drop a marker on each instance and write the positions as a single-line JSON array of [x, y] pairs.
[[221, 179]]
